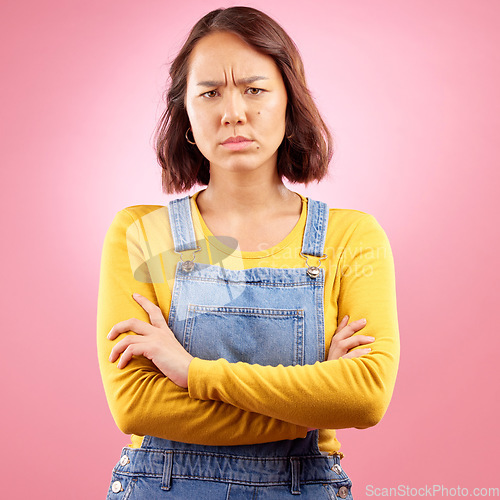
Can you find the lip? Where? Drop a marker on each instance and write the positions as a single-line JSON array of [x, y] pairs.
[[238, 138], [237, 143]]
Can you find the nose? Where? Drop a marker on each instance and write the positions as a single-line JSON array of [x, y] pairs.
[[234, 112]]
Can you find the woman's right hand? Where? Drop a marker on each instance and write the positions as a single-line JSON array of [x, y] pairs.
[[344, 340]]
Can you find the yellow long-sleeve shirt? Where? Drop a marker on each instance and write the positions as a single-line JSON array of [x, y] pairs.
[[241, 403]]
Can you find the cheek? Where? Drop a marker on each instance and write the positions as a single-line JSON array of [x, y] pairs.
[[194, 117], [194, 111], [204, 121], [279, 109], [200, 125], [273, 118]]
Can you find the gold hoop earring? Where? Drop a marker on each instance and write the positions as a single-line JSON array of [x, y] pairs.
[[187, 137]]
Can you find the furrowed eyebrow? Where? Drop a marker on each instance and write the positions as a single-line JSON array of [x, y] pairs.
[[243, 81]]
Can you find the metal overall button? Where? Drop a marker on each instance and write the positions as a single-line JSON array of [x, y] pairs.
[[188, 265], [343, 492], [116, 487], [124, 460], [313, 271], [337, 469]]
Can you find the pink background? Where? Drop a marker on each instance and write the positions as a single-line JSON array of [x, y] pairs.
[[410, 90]]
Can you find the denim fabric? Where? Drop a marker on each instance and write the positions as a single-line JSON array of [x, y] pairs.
[[315, 230], [179, 214], [165, 469], [261, 315]]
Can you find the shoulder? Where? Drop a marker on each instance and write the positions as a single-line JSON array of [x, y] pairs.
[[341, 217], [145, 225], [135, 214], [343, 223], [348, 227], [347, 216], [139, 223], [351, 220]]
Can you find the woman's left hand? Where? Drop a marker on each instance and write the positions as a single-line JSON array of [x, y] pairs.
[[154, 341]]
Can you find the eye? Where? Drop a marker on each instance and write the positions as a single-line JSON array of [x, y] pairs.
[[210, 94], [254, 91]]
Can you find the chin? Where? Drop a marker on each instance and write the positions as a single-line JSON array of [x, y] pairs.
[[241, 167], [244, 163]]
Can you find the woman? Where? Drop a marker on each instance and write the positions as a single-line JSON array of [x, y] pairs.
[[237, 360]]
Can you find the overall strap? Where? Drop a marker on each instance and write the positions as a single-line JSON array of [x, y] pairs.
[[316, 226], [181, 223]]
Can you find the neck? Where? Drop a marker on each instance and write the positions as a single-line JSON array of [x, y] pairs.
[[242, 195]]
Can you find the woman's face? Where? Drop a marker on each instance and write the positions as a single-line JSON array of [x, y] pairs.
[[236, 103]]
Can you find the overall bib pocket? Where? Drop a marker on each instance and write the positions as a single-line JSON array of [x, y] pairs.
[[264, 336]]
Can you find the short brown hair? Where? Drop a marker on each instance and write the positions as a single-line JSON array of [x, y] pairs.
[[307, 147]]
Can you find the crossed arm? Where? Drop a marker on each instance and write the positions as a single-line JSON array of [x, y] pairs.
[[157, 387], [157, 342]]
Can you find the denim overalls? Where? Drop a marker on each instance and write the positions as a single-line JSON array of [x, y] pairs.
[[262, 315]]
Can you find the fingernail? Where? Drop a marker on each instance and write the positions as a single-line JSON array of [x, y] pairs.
[[363, 320], [345, 317], [135, 295], [371, 338]]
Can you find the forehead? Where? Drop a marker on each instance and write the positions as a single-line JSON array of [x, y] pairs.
[[225, 53]]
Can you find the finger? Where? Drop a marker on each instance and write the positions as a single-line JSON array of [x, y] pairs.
[[355, 341], [342, 323], [130, 325], [131, 351], [356, 353], [356, 325], [340, 348], [155, 314], [351, 328], [122, 345]]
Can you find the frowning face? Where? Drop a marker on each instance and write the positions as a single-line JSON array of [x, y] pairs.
[[236, 103]]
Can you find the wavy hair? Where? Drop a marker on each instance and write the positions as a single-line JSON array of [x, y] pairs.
[[307, 147]]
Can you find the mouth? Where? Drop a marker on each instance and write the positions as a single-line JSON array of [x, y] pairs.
[[237, 143]]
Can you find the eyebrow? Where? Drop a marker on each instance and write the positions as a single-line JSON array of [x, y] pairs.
[[242, 81]]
